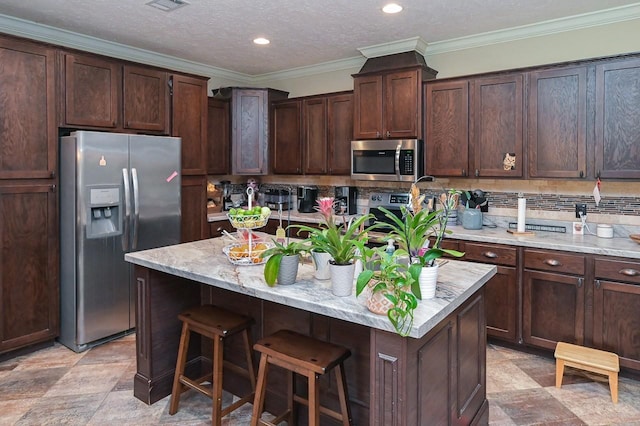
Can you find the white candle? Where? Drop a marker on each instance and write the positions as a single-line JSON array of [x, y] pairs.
[[522, 208]]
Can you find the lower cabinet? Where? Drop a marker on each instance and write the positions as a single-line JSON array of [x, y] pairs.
[[29, 283], [216, 228], [194, 210]]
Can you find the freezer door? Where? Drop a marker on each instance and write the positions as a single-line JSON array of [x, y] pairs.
[[155, 174]]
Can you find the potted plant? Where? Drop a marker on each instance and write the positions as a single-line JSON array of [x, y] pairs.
[[339, 241], [390, 286], [283, 262]]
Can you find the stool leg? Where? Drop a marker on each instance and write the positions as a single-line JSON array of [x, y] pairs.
[[559, 372], [343, 395], [613, 385], [314, 400], [258, 401], [182, 359], [248, 346], [216, 385], [291, 391]]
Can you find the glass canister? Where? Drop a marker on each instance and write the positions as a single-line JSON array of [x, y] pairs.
[[472, 219]]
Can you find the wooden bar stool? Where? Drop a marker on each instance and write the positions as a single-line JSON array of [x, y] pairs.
[[217, 324], [306, 356]]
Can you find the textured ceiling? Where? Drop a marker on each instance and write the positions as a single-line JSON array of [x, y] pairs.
[[219, 33]]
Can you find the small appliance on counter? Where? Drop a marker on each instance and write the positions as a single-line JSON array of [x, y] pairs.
[[274, 198], [346, 198], [307, 196]]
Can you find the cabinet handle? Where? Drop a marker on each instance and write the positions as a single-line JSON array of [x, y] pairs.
[[552, 262], [477, 173], [464, 172], [581, 173], [597, 284], [580, 280], [629, 272], [52, 174], [598, 174], [52, 188], [489, 254], [388, 134], [377, 134]]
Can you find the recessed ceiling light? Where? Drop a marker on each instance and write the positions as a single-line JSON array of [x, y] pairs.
[[261, 40], [167, 5], [392, 8]]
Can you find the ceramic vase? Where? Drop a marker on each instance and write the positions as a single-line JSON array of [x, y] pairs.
[[428, 279], [321, 262], [378, 303], [342, 279], [288, 271]]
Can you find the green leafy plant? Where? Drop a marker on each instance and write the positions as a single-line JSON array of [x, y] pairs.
[[276, 253]]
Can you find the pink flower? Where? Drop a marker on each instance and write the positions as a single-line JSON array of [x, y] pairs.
[[325, 207]]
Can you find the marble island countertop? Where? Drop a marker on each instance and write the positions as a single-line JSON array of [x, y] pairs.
[[203, 261]]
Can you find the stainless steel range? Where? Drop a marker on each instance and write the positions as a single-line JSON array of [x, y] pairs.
[[390, 201]]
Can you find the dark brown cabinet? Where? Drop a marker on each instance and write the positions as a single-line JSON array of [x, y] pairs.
[[194, 212], [28, 265], [145, 94], [557, 120], [28, 145], [315, 143], [501, 292], [388, 105], [216, 228], [218, 140], [618, 119], [447, 128], [189, 121], [616, 307], [340, 133], [553, 298], [286, 137]]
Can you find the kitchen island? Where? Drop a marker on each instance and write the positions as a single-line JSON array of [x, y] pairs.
[[435, 375]]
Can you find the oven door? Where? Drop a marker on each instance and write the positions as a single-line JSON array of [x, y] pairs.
[[380, 217]]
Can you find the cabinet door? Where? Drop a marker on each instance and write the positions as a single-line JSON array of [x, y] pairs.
[[28, 265], [218, 141], [367, 110], [189, 121], [145, 99], [28, 138], [216, 228], [249, 133], [314, 138], [340, 133], [286, 154], [194, 210], [496, 127], [502, 304], [557, 123], [447, 128], [618, 119], [553, 309], [91, 91], [402, 105]]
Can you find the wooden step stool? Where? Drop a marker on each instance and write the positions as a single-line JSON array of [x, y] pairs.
[[589, 359], [216, 324], [306, 356]]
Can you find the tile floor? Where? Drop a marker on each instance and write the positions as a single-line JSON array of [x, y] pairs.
[[56, 386]]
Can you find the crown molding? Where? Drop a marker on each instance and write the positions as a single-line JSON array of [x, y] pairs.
[[47, 34], [577, 22], [393, 47], [311, 70]]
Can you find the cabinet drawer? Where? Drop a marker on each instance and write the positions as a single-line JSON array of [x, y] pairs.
[[618, 270], [490, 253], [546, 260]]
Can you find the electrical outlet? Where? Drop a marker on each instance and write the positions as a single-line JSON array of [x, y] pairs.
[[581, 208]]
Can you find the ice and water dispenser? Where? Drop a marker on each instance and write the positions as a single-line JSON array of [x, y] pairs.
[[105, 212]]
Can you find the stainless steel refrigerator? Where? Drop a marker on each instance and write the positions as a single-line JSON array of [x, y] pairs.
[[118, 193]]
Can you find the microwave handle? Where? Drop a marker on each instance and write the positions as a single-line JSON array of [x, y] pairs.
[[398, 160]]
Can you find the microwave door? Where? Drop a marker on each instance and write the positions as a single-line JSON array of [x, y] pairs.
[[374, 162]]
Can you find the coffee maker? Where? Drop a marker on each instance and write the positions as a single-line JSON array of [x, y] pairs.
[[346, 199], [307, 196]]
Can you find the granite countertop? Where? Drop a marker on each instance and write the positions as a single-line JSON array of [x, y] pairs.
[[588, 244], [203, 261]]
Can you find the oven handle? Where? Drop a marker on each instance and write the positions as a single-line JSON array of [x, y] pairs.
[[398, 160]]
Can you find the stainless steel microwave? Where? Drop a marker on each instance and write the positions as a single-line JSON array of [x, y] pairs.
[[398, 160]]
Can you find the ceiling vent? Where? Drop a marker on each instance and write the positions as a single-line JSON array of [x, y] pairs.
[[167, 5]]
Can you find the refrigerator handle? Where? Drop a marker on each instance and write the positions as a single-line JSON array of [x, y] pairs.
[[136, 208], [127, 210]]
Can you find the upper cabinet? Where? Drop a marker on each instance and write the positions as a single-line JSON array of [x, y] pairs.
[[218, 139], [91, 91], [339, 133], [618, 119], [314, 111], [189, 121], [28, 138], [286, 147], [145, 99], [557, 117]]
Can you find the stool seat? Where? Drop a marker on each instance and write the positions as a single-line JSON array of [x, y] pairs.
[[217, 324], [306, 356]]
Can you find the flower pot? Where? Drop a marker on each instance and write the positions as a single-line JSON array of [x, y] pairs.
[[288, 271], [378, 303], [428, 279], [472, 219], [321, 262], [342, 279]]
